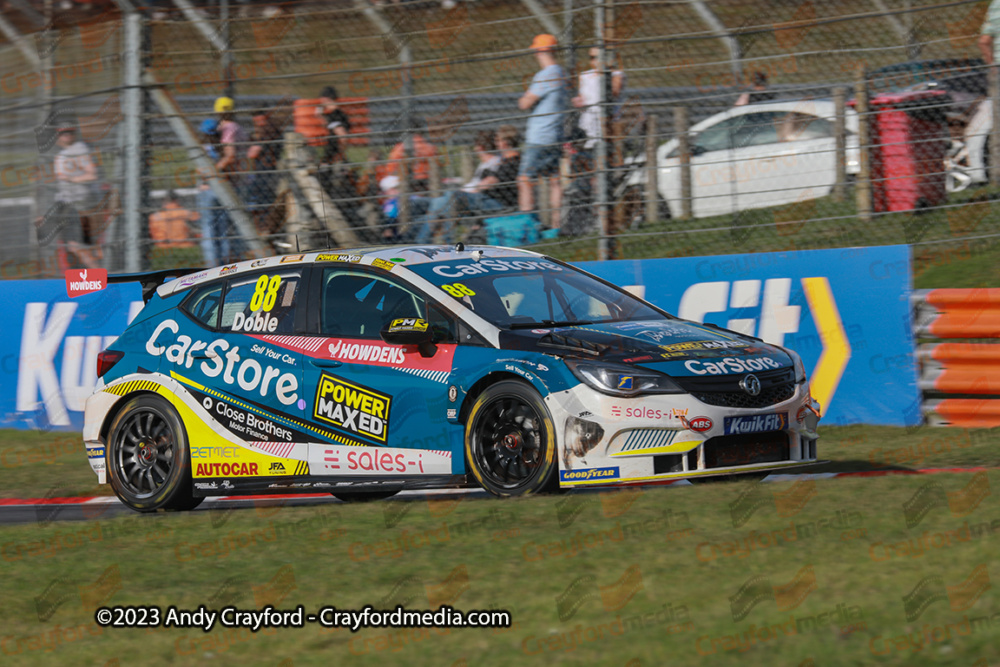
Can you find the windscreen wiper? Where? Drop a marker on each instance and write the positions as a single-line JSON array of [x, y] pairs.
[[546, 323]]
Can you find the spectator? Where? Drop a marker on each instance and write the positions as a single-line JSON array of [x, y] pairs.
[[213, 216], [420, 162], [758, 91], [232, 143], [548, 100], [981, 123], [590, 95], [168, 227], [392, 232], [493, 186], [263, 182], [76, 178], [337, 124]]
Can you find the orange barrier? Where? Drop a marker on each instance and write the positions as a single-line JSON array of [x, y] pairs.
[[960, 369], [313, 127], [965, 412]]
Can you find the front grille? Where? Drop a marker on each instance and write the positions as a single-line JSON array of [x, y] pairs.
[[741, 399], [746, 449]]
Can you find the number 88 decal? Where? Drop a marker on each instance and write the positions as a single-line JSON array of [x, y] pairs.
[[265, 293], [458, 290]]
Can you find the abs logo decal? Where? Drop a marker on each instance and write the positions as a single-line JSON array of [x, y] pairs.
[[588, 474], [776, 421], [352, 407], [699, 424]]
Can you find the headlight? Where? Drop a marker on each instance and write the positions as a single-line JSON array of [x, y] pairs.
[[800, 368], [622, 380]]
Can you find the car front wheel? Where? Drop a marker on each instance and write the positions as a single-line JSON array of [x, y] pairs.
[[148, 460], [510, 441]]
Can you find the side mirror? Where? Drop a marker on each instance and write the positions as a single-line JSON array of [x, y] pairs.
[[410, 331]]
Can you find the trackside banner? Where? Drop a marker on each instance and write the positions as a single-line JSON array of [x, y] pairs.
[[49, 353], [845, 311]]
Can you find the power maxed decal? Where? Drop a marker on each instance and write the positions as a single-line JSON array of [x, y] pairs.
[[352, 407], [588, 474], [776, 421]]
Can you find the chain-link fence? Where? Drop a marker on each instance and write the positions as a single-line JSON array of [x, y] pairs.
[[711, 127]]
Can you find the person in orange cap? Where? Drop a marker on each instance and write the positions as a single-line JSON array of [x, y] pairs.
[[548, 99]]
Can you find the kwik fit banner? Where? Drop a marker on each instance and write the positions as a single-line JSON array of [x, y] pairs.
[[845, 311], [49, 353]]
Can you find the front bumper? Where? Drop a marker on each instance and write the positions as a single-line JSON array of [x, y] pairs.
[[611, 440]]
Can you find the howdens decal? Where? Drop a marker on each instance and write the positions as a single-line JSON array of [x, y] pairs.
[[352, 407]]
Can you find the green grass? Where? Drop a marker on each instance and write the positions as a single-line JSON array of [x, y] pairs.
[[514, 555]]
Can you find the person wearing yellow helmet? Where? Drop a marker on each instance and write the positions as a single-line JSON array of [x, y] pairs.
[[233, 142], [224, 105]]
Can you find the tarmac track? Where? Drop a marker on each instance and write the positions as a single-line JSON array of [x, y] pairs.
[[43, 511]]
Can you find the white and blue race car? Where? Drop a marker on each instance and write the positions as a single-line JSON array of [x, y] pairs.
[[365, 372]]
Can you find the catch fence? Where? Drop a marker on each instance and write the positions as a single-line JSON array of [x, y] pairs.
[[733, 127]]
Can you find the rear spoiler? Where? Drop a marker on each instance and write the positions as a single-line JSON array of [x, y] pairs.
[[150, 280]]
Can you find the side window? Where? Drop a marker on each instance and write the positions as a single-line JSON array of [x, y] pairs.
[[356, 304], [261, 303], [716, 137], [203, 305], [757, 129], [802, 127]]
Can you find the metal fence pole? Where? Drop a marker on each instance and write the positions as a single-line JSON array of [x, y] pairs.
[[652, 209], [132, 148], [863, 189], [840, 137], [994, 139], [604, 246], [684, 152]]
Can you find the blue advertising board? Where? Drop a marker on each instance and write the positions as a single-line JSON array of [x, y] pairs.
[[49, 354], [845, 311]]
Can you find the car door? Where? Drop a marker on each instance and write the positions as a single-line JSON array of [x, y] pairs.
[[712, 170], [783, 157], [367, 393]]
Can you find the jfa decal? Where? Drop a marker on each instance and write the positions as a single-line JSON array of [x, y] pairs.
[[776, 421], [352, 407], [588, 474]]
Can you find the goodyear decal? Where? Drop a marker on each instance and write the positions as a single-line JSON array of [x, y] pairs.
[[589, 474], [123, 388], [776, 421], [352, 407]]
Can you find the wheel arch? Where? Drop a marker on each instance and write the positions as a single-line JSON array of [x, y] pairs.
[[115, 409]]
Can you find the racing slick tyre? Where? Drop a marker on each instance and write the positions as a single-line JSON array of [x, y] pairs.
[[148, 459], [361, 496], [510, 443]]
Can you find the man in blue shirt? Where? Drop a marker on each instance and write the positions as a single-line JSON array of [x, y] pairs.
[[548, 100]]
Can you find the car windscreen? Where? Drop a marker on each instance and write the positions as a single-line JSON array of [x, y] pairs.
[[520, 293]]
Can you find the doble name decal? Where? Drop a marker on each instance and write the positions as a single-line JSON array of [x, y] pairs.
[[353, 408]]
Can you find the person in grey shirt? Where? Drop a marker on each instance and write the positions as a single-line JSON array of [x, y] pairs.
[[548, 99]]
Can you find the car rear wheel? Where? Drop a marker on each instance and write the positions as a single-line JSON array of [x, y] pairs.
[[510, 441], [148, 459]]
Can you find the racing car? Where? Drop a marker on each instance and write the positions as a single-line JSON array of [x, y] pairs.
[[364, 372]]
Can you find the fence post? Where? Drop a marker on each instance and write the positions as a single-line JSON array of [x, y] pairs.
[[652, 191], [863, 189], [994, 139], [684, 152], [133, 146], [840, 136], [604, 242]]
